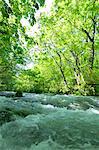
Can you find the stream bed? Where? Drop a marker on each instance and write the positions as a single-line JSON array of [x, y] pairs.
[[49, 122]]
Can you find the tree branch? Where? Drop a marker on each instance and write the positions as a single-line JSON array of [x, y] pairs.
[[87, 33]]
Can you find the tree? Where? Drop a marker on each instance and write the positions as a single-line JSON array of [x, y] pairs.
[[69, 36], [13, 38]]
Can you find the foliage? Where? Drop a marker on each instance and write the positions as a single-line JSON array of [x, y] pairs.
[[65, 47], [68, 37], [13, 41]]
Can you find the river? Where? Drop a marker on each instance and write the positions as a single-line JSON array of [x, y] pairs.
[[49, 122]]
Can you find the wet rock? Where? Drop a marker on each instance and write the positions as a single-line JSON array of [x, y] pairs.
[[6, 116], [7, 94]]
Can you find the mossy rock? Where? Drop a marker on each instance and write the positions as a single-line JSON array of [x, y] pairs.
[[19, 94]]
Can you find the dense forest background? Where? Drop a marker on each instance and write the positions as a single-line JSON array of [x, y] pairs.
[[47, 49]]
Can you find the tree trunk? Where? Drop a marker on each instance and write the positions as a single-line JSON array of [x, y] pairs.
[[92, 40]]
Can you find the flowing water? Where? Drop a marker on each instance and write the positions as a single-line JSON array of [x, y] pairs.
[[45, 122]]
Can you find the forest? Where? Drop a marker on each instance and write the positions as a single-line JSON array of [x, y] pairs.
[[49, 75], [49, 48]]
